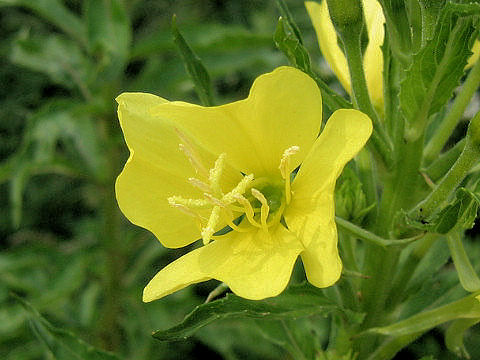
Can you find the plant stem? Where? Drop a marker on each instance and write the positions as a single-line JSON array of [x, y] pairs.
[[361, 98], [380, 263], [437, 142], [109, 329]]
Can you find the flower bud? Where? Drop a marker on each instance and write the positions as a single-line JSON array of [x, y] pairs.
[[350, 200], [345, 13]]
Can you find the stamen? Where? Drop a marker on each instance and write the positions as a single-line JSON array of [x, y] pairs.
[[264, 210], [240, 189], [199, 184], [189, 212], [247, 207], [189, 150], [214, 200], [191, 203], [209, 230], [285, 169], [215, 174], [228, 217]]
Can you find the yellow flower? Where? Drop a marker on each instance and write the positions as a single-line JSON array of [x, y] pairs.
[[373, 57], [194, 170]]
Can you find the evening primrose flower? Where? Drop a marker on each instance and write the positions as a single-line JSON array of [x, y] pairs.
[[198, 172], [372, 58]]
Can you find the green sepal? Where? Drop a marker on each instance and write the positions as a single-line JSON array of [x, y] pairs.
[[455, 334], [438, 67], [62, 344], [466, 308], [297, 301], [194, 67]]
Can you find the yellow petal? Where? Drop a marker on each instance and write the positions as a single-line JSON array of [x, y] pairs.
[[327, 40], [310, 215], [476, 54], [254, 265], [156, 170], [373, 57], [320, 259], [283, 109]]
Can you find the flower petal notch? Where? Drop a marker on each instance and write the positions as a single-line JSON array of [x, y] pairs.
[[226, 175]]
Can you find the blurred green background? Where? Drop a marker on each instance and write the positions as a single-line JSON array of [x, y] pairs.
[[65, 247]]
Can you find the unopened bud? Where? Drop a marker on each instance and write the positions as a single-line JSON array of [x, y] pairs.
[[345, 13]]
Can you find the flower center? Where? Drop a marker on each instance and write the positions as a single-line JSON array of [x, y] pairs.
[[252, 203]]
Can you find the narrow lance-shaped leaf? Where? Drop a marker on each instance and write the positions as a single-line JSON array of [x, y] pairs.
[[468, 278], [62, 344], [297, 301], [194, 67], [455, 334], [437, 68], [285, 13], [56, 13], [109, 34], [466, 308], [54, 55]]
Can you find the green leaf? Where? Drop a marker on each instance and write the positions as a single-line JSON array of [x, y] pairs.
[[419, 286], [56, 13], [297, 301], [460, 212], [54, 55], [455, 334], [467, 275], [194, 67], [438, 67], [109, 35], [58, 122], [285, 13], [62, 344], [466, 308], [287, 41]]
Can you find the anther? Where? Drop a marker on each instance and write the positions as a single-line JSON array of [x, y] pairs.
[[285, 169], [209, 230], [264, 210], [199, 184], [247, 207], [216, 173], [188, 149], [191, 203], [186, 210], [240, 189], [214, 200]]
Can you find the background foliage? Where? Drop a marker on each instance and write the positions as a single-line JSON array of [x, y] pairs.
[[66, 249]]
